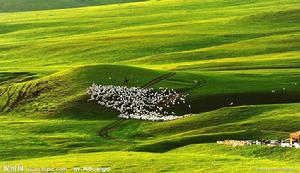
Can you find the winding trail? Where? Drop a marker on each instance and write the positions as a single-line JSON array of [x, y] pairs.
[[104, 132], [158, 79]]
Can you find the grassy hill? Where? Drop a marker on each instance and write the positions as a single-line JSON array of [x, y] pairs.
[[237, 60], [186, 34], [187, 159], [34, 5]]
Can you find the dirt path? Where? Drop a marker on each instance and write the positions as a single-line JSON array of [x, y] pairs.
[[104, 132], [158, 79]]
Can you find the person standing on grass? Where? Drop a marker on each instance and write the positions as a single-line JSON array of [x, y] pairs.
[[126, 81]]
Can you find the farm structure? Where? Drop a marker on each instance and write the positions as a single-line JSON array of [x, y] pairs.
[[295, 137]]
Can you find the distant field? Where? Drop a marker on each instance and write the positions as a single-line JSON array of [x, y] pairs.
[[34, 5], [213, 35], [238, 61]]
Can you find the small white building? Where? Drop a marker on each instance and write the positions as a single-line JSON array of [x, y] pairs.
[[296, 145]]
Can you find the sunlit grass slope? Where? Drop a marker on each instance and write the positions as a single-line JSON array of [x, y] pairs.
[[199, 158], [33, 5], [164, 34]]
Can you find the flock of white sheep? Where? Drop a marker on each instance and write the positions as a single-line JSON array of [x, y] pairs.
[[138, 103]]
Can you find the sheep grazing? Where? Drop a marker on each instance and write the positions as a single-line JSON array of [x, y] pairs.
[[137, 103]]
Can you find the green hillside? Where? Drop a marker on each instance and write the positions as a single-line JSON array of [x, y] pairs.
[[34, 5], [237, 60], [156, 34], [187, 159]]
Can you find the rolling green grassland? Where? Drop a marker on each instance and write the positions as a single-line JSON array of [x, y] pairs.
[[33, 5], [155, 34], [185, 160], [238, 61]]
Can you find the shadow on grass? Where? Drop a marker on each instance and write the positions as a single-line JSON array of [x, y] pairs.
[[167, 145]]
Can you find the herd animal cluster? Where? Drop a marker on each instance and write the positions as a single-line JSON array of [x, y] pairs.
[[271, 143], [138, 103]]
